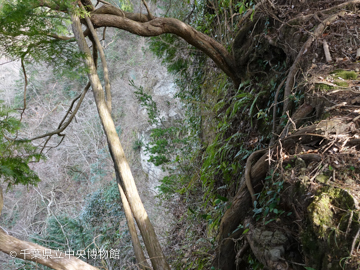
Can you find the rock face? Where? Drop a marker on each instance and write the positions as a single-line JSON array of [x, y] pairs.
[[169, 110]]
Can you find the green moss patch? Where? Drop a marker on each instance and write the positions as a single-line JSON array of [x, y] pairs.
[[329, 234], [324, 86], [346, 75], [341, 83]]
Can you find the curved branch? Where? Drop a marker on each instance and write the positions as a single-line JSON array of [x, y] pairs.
[[111, 10], [159, 26], [248, 173]]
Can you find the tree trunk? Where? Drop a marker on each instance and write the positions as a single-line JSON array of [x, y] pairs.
[[147, 231]]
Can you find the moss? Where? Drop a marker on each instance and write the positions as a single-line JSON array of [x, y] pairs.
[[346, 75], [341, 83], [324, 240], [321, 215], [324, 86]]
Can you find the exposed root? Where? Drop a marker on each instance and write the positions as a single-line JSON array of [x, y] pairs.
[[248, 171]]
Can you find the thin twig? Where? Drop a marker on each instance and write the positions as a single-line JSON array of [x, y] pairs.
[[7, 62], [62, 128], [25, 87], [292, 122], [68, 111]]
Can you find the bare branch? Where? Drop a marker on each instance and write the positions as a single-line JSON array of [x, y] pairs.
[[295, 66], [122, 166], [69, 110], [60, 37], [62, 128], [139, 254], [25, 87]]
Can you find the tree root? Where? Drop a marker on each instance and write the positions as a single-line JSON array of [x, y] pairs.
[[248, 172], [240, 207]]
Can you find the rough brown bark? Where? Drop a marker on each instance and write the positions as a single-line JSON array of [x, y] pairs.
[[147, 231], [238, 211]]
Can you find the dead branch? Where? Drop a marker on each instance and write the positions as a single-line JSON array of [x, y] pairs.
[[327, 52], [295, 66], [306, 157], [300, 114], [64, 126], [25, 87]]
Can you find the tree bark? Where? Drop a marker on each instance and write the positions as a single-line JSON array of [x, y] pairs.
[[147, 231], [158, 26], [139, 254]]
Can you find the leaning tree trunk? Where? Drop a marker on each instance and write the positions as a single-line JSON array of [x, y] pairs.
[[147, 231]]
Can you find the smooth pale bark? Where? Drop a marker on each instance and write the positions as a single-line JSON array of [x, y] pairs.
[[147, 231], [139, 254], [103, 61]]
